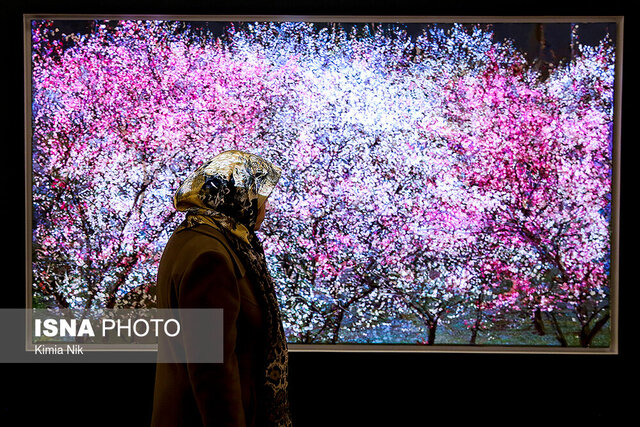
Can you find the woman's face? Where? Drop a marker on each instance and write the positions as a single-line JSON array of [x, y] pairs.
[[261, 214]]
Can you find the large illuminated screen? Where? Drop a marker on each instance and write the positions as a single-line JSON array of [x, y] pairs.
[[443, 183]]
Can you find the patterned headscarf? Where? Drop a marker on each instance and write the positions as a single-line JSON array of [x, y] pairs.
[[226, 193]]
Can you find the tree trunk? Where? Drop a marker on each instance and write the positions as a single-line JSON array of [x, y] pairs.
[[121, 279], [336, 328], [587, 335], [474, 334], [574, 41], [476, 325], [538, 324], [559, 334], [432, 332]]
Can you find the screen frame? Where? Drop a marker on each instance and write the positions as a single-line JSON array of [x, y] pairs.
[[371, 348]]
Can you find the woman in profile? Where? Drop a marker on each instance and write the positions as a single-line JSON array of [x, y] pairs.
[[215, 260]]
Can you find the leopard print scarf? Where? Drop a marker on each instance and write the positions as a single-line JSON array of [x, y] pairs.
[[226, 193]]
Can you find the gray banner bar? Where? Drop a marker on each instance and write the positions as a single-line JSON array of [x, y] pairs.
[[111, 336]]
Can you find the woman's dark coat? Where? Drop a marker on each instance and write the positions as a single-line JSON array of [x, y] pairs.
[[198, 270]]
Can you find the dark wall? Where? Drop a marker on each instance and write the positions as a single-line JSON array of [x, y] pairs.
[[340, 389]]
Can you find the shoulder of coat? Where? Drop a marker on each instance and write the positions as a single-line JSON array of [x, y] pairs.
[[219, 240]]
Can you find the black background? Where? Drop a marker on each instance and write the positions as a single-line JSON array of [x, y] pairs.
[[340, 389]]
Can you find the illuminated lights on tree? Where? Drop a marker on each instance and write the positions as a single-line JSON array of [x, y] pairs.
[[429, 184]]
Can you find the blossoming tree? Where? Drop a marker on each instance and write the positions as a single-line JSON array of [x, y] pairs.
[[427, 183]]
